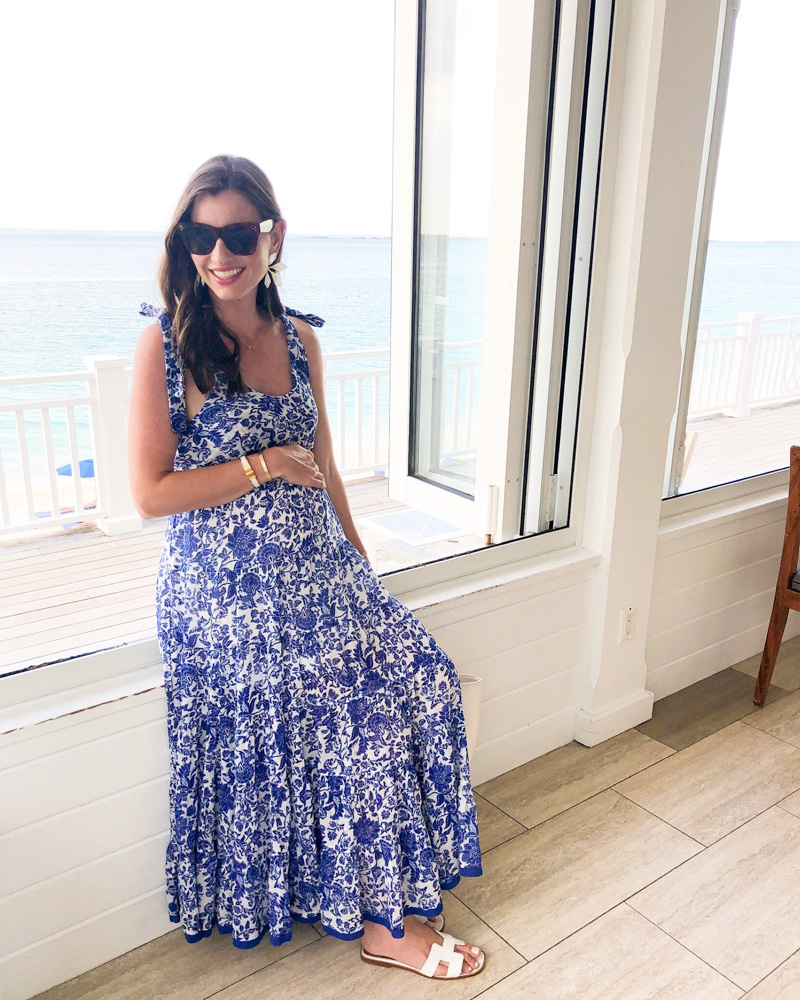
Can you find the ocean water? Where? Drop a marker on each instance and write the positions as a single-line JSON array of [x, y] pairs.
[[751, 277], [67, 296]]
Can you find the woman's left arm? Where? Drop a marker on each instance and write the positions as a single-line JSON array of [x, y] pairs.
[[323, 442]]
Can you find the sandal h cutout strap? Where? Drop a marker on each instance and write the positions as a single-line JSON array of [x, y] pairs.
[[444, 952]]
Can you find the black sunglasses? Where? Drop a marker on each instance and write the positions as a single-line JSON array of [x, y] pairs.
[[240, 238]]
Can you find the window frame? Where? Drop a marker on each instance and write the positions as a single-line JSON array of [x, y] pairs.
[[559, 435], [524, 227], [675, 504]]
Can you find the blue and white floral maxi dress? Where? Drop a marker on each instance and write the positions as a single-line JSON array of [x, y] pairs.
[[318, 755]]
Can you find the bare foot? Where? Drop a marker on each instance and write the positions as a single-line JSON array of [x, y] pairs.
[[414, 946]]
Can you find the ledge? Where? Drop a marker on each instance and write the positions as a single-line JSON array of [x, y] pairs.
[[84, 681], [540, 569], [675, 525], [77, 684]]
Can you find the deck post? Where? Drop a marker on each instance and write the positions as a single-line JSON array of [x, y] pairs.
[[109, 433], [744, 386]]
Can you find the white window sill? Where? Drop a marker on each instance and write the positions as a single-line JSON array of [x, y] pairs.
[[541, 569], [74, 685], [676, 522], [745, 491]]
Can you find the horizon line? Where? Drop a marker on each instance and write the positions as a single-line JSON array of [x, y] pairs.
[[25, 231], [32, 231]]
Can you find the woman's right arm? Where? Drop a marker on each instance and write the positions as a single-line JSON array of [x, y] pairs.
[[156, 489]]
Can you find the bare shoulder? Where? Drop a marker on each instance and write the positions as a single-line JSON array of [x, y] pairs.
[[151, 340], [148, 358]]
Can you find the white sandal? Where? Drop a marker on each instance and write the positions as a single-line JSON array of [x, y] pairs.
[[437, 922], [444, 952]]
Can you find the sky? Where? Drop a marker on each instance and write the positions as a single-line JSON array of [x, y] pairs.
[[756, 193], [110, 107]]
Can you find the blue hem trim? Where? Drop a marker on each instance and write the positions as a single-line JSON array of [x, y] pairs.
[[471, 871]]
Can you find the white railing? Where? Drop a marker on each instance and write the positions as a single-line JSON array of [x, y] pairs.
[[362, 427], [78, 419], [358, 407], [459, 405], [749, 362], [42, 434], [75, 428], [46, 435]]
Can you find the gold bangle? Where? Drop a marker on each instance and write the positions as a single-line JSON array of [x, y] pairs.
[[267, 473], [248, 469]]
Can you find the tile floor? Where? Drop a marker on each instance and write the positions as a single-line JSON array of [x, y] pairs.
[[663, 864]]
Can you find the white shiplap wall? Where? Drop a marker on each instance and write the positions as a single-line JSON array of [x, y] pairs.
[[82, 839], [712, 594]]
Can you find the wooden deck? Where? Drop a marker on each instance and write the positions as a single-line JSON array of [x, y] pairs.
[[80, 590], [730, 448]]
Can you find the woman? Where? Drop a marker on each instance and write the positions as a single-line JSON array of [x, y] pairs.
[[318, 758]]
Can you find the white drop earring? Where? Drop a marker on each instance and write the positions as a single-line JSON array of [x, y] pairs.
[[274, 268]]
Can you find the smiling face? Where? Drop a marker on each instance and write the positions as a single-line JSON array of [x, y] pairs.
[[230, 277]]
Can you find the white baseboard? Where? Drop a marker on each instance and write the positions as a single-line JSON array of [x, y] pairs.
[[594, 728]]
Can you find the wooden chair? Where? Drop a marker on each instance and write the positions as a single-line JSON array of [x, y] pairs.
[[787, 590]]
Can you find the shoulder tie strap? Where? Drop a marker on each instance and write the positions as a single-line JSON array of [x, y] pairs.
[[175, 388], [310, 318]]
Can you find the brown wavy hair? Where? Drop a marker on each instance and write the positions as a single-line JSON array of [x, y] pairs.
[[200, 334]]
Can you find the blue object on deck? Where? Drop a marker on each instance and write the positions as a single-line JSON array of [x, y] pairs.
[[86, 466]]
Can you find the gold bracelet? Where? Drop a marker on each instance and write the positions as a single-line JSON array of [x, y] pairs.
[[267, 473], [249, 471]]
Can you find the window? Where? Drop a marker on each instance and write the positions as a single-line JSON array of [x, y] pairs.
[[465, 406], [458, 73], [102, 157], [491, 274], [740, 393]]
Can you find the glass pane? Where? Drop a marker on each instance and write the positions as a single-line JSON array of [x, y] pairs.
[[458, 86], [80, 242], [744, 405]]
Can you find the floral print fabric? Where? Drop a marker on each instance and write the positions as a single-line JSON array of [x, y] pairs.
[[318, 755]]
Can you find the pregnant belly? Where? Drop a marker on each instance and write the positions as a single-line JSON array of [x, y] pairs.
[[279, 514]]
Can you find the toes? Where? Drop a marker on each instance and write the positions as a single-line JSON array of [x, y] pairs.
[[471, 960], [472, 955]]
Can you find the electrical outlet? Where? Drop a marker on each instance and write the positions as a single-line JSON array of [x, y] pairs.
[[627, 622]]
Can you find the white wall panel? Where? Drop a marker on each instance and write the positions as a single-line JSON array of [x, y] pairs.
[[87, 945], [713, 589], [707, 596], [511, 670], [60, 903], [526, 706], [82, 774], [70, 839]]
